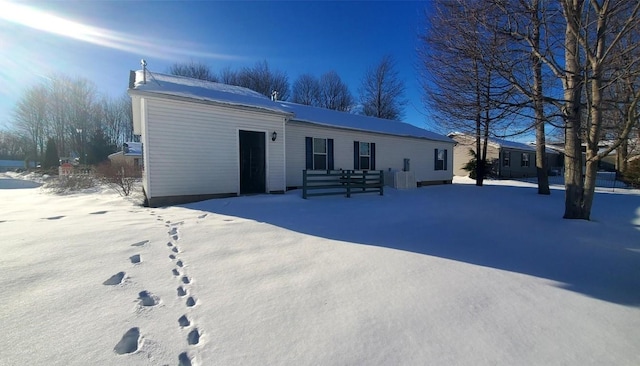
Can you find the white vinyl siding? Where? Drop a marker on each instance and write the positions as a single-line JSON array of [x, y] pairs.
[[192, 148], [390, 151]]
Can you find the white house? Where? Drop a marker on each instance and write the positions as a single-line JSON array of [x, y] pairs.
[[204, 140]]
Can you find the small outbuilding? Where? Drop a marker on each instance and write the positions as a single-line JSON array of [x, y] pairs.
[[204, 140]]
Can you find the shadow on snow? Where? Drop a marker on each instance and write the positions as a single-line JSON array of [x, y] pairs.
[[503, 227]]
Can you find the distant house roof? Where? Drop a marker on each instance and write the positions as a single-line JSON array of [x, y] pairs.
[[500, 143], [15, 164], [132, 148], [238, 96]]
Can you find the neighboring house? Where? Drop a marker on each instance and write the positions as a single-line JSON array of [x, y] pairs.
[[131, 154], [12, 165], [508, 159], [204, 140]]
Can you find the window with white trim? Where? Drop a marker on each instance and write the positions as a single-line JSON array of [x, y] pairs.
[[506, 158], [365, 155], [319, 154], [440, 162], [525, 159]]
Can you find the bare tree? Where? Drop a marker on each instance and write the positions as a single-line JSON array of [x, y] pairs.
[[116, 120], [306, 90], [382, 91], [31, 120], [264, 80], [593, 30], [192, 69], [459, 79], [229, 76], [334, 94], [525, 23], [12, 145], [61, 108]]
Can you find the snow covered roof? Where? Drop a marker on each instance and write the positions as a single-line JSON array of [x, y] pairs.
[[132, 148], [238, 96], [203, 90], [328, 117], [500, 143]]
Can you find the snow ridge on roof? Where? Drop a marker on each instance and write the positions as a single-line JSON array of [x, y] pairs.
[[239, 96], [500, 143], [204, 90], [328, 117]]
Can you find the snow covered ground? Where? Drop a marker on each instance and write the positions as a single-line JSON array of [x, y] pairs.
[[442, 275]]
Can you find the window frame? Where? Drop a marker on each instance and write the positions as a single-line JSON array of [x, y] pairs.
[[506, 159], [440, 158], [361, 155], [325, 153], [524, 160]]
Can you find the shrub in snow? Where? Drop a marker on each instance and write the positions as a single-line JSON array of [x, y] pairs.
[[71, 183], [121, 176], [632, 175], [470, 166]]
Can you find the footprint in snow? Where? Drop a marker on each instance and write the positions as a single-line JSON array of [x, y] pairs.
[[175, 237], [184, 360], [147, 299], [175, 250], [179, 263], [140, 243], [186, 280], [135, 259], [202, 216], [169, 244], [54, 217], [98, 213], [184, 321], [181, 291], [129, 343], [116, 279], [173, 231], [191, 302], [194, 337], [175, 272], [172, 256]]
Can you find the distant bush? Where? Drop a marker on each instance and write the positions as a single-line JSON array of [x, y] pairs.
[[119, 175], [71, 183], [632, 175]]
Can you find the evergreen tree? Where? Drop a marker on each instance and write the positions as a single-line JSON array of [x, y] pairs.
[[51, 159], [99, 148]]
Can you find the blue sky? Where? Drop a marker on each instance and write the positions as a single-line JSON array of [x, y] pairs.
[[294, 36]]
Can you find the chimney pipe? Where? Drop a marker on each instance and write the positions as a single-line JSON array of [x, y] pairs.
[[144, 71]]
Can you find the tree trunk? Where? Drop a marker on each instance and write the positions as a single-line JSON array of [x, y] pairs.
[[480, 163], [541, 148], [574, 187]]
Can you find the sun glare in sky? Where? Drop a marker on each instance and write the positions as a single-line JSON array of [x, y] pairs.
[[37, 19]]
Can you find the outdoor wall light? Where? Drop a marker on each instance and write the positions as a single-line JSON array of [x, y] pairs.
[[274, 136]]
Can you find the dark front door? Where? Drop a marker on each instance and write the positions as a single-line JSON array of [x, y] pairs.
[[252, 162]]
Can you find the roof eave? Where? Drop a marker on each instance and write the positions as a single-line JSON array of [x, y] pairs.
[[207, 102], [451, 141]]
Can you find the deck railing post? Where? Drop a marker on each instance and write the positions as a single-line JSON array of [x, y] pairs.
[[381, 183], [349, 173], [304, 184]]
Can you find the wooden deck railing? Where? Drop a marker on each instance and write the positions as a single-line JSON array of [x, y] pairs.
[[347, 182]]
